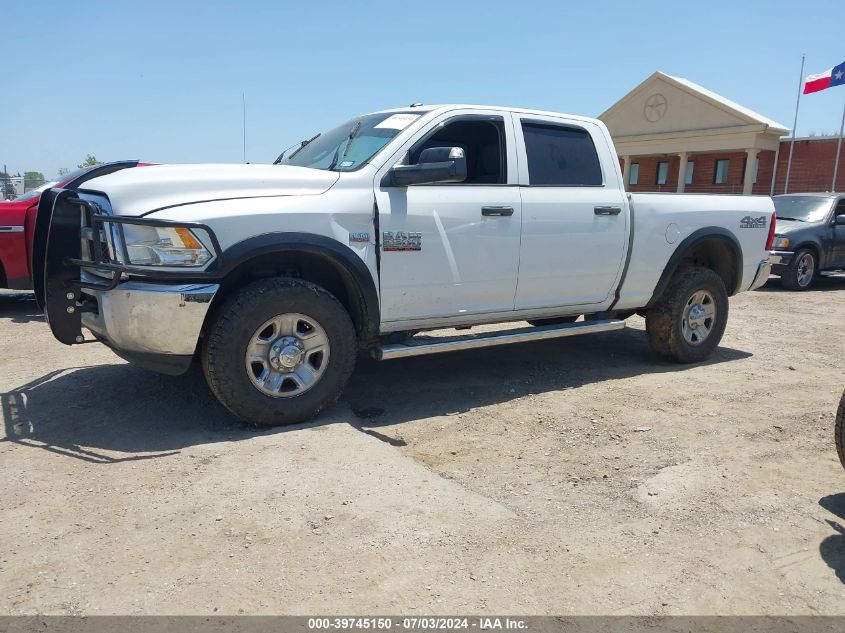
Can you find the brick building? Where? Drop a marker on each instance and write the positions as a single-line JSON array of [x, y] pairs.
[[673, 135]]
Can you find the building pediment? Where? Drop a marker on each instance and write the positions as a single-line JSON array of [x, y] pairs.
[[665, 105]]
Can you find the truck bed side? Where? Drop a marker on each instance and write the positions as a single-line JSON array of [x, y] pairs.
[[665, 225]]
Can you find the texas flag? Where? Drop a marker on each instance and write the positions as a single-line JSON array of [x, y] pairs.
[[829, 78]]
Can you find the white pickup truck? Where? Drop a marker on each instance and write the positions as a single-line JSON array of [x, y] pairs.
[[274, 277]]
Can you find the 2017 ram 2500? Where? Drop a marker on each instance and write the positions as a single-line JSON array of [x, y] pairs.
[[275, 276]]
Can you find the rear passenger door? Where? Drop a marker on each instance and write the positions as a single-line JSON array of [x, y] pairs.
[[575, 215]]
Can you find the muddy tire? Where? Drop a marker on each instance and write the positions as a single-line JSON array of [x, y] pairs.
[[553, 321], [801, 272], [279, 351], [839, 431], [688, 321]]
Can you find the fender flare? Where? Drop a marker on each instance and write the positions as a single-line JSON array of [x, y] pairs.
[[692, 240], [351, 268], [815, 243]]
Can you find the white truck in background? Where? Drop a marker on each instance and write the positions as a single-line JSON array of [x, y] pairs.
[[274, 277]]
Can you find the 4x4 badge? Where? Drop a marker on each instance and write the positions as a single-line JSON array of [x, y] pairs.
[[753, 223]]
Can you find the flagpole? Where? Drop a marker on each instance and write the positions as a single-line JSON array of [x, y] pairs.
[[794, 125], [838, 149]]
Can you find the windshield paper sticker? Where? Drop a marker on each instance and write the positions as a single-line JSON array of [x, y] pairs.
[[398, 121]]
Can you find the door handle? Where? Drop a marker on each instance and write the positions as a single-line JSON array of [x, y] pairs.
[[607, 210], [497, 211]]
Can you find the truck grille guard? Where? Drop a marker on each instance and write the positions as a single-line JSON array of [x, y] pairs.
[[71, 226]]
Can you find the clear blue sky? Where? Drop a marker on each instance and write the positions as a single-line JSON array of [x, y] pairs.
[[162, 81]]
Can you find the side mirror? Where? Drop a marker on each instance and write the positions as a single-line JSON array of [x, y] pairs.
[[840, 219], [436, 164]]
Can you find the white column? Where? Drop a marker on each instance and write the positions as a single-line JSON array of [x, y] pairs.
[[626, 171], [682, 171], [750, 160]]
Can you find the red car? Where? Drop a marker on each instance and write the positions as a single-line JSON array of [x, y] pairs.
[[17, 225]]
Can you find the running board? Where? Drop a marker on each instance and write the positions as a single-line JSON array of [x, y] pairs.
[[421, 345]]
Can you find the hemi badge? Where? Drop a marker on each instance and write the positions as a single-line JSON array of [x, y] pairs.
[[401, 241], [359, 237]]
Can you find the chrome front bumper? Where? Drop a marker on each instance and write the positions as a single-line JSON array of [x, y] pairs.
[[764, 269], [780, 258], [147, 320]]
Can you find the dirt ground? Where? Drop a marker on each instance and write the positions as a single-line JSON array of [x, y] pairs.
[[581, 476]]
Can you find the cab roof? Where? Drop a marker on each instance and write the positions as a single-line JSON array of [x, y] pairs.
[[445, 107]]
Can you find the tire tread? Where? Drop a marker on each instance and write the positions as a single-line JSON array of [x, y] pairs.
[[662, 319], [839, 431]]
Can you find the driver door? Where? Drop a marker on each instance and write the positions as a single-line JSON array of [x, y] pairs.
[[450, 251]]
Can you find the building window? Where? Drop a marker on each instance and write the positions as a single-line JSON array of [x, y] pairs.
[[721, 176], [756, 170], [634, 176], [688, 175], [662, 172]]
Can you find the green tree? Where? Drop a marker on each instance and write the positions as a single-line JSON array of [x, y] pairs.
[[6, 186], [32, 179], [90, 161]]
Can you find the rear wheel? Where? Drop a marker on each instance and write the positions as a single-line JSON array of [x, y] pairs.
[[801, 271], [688, 321], [279, 352]]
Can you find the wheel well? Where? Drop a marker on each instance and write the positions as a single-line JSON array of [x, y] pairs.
[[716, 252], [812, 247], [718, 255], [317, 268]]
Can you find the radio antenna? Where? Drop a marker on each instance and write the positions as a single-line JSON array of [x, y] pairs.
[[243, 103]]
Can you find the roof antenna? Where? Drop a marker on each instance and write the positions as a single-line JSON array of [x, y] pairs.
[[415, 105], [243, 103]]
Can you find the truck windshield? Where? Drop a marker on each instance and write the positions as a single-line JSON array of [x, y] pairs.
[[802, 208], [352, 144]]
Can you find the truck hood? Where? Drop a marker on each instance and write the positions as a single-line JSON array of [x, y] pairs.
[[785, 227], [140, 191]]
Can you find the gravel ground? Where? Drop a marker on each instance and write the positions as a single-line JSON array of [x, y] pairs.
[[570, 477]]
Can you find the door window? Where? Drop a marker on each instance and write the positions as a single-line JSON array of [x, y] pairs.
[[560, 155], [483, 142]]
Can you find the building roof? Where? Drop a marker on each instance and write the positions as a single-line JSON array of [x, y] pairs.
[[729, 104], [704, 94]]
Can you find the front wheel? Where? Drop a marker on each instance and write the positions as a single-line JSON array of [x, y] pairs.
[[687, 323], [801, 271], [279, 351]]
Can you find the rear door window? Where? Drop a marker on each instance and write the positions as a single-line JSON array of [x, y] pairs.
[[560, 155]]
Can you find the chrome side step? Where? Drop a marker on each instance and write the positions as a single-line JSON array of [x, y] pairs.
[[421, 345]]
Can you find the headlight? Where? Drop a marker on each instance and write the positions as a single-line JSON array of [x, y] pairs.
[[163, 246], [780, 242]]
